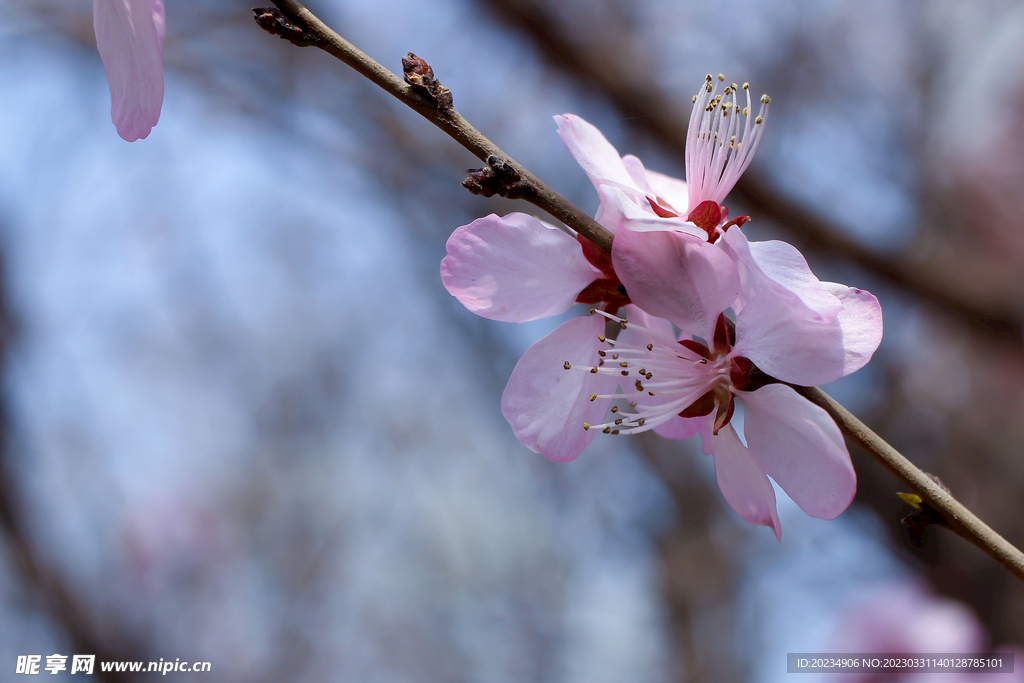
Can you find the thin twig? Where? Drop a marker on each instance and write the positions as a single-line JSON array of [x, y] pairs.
[[446, 118], [956, 516]]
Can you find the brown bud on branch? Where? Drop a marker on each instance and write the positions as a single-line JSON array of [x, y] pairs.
[[273, 21], [420, 76]]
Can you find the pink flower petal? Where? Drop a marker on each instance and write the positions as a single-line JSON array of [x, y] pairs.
[[677, 277], [801, 448], [671, 190], [639, 318], [637, 172], [515, 268], [778, 267], [547, 405], [787, 345], [742, 481], [130, 40], [679, 427], [623, 209], [592, 151]]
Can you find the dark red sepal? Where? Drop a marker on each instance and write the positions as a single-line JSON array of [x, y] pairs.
[[605, 290], [697, 348], [738, 222], [706, 216], [725, 411], [596, 256], [661, 210], [745, 376], [704, 405], [725, 337]]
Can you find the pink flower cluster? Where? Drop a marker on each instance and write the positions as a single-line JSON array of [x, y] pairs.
[[677, 263], [130, 40]]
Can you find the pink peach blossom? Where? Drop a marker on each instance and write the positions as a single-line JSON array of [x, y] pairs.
[[721, 140], [681, 387]]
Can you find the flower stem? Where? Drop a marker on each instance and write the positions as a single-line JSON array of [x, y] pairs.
[[443, 115]]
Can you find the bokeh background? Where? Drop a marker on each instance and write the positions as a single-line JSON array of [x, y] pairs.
[[244, 422]]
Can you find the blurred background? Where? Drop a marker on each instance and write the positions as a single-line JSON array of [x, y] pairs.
[[244, 423]]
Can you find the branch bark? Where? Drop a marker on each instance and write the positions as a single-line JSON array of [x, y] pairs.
[[444, 116], [957, 517]]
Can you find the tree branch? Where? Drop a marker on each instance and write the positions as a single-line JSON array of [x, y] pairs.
[[957, 517], [442, 115], [440, 112]]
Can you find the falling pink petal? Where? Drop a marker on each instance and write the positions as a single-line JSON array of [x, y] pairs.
[[130, 40], [515, 268]]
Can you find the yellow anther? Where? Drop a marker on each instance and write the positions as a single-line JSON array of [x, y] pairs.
[[623, 364], [593, 397], [746, 112], [615, 431], [765, 99], [639, 387], [694, 98], [650, 347], [619, 421], [641, 421], [600, 338], [759, 119], [746, 86], [586, 426], [607, 430], [567, 366], [615, 356], [602, 354], [625, 373], [709, 78], [721, 78], [593, 371], [615, 409]]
